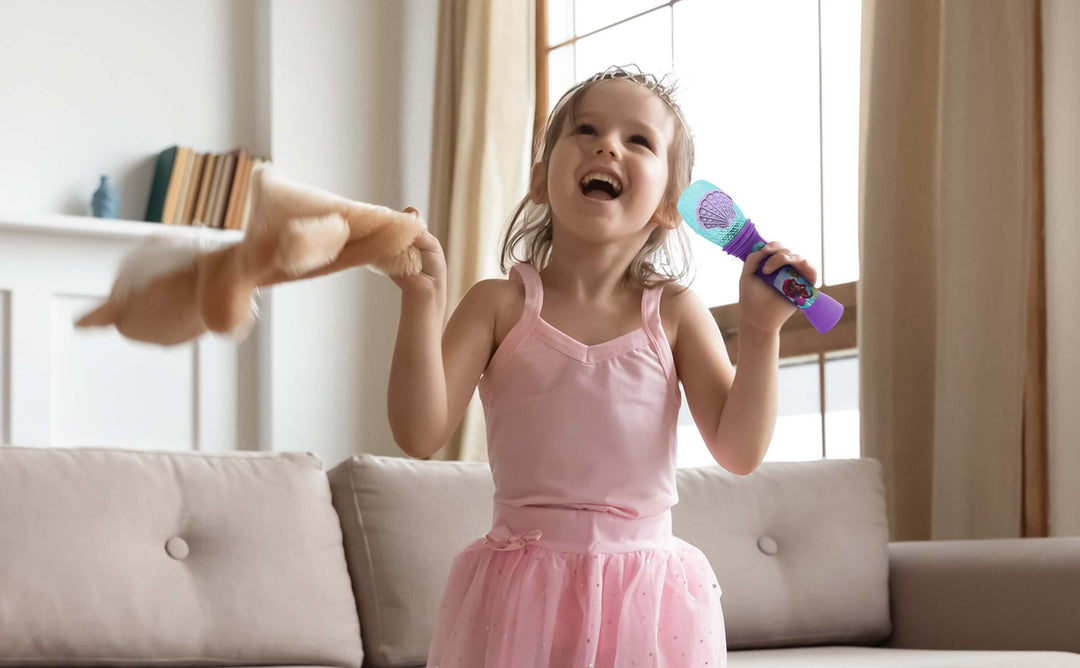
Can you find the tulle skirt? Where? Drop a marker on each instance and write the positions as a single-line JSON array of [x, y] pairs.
[[557, 587]]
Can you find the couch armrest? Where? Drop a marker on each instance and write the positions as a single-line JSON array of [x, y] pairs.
[[1007, 594]]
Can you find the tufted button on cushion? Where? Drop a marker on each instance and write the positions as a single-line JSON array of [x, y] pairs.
[[177, 547], [766, 545], [828, 515]]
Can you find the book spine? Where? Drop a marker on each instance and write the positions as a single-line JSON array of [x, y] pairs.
[[245, 215], [238, 220], [192, 189], [185, 185], [234, 189], [215, 180], [175, 180], [204, 190], [160, 184], [223, 189]]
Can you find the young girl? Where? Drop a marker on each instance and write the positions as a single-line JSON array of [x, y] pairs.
[[578, 357]]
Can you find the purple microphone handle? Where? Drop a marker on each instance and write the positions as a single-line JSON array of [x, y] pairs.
[[820, 309]]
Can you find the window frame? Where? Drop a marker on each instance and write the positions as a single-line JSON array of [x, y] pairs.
[[798, 339]]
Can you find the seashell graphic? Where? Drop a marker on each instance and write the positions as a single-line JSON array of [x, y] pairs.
[[715, 210]]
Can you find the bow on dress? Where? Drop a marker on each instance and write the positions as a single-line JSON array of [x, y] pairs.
[[501, 538]]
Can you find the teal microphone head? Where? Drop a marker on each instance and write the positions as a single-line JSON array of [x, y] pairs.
[[711, 213]]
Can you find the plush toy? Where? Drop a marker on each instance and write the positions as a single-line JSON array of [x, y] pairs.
[[170, 291]]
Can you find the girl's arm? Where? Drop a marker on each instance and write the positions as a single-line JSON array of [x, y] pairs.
[[433, 373], [735, 409]]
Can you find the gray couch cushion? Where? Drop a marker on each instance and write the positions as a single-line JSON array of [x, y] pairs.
[[404, 520], [121, 557], [872, 657], [799, 549]]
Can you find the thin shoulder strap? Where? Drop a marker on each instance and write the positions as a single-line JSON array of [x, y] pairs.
[[650, 318], [530, 312], [534, 290]]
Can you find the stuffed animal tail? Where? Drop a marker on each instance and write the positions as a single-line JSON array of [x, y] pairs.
[[102, 316]]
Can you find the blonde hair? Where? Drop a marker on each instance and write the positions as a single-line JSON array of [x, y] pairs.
[[665, 257]]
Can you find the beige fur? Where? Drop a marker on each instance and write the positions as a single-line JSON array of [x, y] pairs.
[[169, 292]]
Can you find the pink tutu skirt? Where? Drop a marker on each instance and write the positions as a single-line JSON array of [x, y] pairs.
[[557, 588]]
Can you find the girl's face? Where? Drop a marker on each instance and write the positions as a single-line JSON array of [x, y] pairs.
[[608, 172]]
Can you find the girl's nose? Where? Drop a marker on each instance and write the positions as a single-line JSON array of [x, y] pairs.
[[604, 146]]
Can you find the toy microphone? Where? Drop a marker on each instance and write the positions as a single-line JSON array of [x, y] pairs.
[[711, 213]]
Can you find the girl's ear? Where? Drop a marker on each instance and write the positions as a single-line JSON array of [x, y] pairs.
[[538, 184], [667, 214]]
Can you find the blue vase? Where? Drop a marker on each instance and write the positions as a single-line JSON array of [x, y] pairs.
[[106, 201]]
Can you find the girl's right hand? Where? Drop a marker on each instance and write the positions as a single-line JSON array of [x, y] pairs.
[[432, 277]]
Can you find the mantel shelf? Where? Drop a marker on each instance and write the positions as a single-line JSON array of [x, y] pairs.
[[87, 226]]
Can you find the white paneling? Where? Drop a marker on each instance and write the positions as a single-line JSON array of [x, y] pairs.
[[68, 387], [29, 363], [108, 390], [5, 376], [264, 362], [217, 407]]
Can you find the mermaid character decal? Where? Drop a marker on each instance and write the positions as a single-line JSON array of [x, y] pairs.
[[795, 287]]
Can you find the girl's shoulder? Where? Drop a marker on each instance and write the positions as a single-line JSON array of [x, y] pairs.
[[676, 301], [502, 300], [499, 291], [675, 297]]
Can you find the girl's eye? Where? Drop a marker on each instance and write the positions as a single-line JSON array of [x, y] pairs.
[[640, 139], [585, 129]]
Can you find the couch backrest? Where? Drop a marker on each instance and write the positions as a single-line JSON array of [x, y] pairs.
[[403, 521], [120, 557], [799, 548]]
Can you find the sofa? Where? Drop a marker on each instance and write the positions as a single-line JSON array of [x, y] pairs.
[[151, 558]]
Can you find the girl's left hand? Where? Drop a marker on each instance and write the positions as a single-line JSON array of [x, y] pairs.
[[761, 307]]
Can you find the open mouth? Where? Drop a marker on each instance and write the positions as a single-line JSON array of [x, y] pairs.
[[597, 185]]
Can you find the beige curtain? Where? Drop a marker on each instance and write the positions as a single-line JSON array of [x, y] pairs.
[[950, 202], [483, 124]]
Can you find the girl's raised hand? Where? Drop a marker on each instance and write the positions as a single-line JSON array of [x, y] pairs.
[[432, 277], [761, 307]]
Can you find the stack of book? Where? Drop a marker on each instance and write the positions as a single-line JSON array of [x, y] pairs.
[[203, 189]]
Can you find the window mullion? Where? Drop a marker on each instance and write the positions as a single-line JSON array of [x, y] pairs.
[[821, 143], [541, 84], [821, 398], [821, 222]]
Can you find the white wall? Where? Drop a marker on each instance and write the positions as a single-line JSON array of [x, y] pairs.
[[351, 99], [337, 92], [89, 88]]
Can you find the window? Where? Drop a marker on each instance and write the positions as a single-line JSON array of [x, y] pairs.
[[785, 74]]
